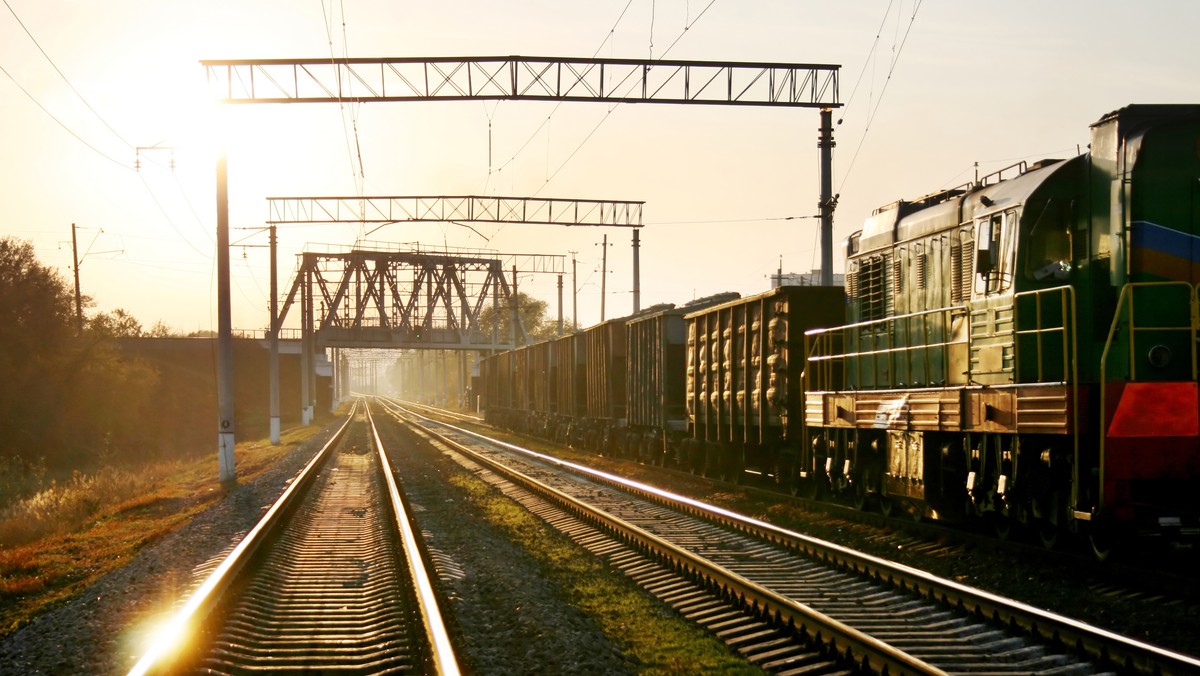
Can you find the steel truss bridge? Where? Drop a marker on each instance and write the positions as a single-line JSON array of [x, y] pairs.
[[390, 299]]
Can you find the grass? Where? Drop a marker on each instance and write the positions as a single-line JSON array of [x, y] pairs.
[[60, 540], [655, 640]]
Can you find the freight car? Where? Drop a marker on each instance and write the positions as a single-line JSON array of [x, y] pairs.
[[658, 349], [1023, 348], [570, 389], [743, 386]]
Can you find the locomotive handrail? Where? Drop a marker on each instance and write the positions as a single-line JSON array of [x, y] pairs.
[[1070, 347], [822, 360], [1127, 297], [1067, 329]]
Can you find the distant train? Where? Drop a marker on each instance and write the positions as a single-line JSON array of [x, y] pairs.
[[1021, 349]]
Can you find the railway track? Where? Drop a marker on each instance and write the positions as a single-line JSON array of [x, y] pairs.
[[331, 579], [782, 599]]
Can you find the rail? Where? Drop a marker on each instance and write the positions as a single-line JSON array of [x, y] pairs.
[[442, 651], [183, 624], [1127, 654], [851, 645]]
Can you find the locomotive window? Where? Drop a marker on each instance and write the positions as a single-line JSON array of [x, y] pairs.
[[993, 261], [1049, 246]]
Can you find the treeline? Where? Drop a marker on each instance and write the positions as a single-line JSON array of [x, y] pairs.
[[69, 399]]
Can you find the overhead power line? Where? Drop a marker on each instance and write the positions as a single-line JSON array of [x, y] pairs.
[[64, 77], [62, 124], [879, 102]]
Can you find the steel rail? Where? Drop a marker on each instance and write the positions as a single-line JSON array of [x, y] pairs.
[[836, 638], [162, 655], [1130, 654], [442, 651]]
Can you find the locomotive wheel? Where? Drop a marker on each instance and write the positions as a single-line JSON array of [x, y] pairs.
[[1047, 531], [1103, 543], [1046, 521]]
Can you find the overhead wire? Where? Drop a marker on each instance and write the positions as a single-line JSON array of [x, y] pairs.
[[614, 107], [887, 80], [867, 61], [62, 124], [64, 77], [171, 222], [608, 36], [88, 105], [353, 153]]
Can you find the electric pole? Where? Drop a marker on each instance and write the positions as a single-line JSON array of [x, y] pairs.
[[78, 299], [604, 274], [574, 294]]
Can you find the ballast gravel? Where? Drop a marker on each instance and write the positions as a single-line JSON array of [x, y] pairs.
[[513, 619]]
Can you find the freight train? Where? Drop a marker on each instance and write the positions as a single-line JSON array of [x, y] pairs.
[[1020, 350]]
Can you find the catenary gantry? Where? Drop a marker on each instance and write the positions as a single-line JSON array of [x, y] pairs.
[[523, 77], [446, 208], [502, 78]]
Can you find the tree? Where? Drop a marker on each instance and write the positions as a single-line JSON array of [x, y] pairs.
[[160, 330], [533, 318], [115, 324], [36, 327], [66, 402]]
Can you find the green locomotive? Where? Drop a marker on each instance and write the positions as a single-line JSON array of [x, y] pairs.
[[1023, 348]]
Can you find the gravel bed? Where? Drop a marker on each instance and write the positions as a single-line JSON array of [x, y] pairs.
[[513, 620], [103, 629]]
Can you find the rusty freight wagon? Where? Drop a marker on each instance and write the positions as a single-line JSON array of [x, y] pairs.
[[744, 394], [604, 385], [655, 385], [496, 381], [569, 387]]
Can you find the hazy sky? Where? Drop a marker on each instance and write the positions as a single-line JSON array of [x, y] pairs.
[[992, 83]]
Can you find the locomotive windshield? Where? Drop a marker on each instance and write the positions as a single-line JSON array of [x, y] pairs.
[[1049, 256]]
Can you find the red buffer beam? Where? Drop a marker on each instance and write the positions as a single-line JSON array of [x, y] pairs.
[[523, 77]]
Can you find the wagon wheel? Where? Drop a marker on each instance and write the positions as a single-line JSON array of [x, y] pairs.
[[866, 487], [784, 476], [810, 487], [730, 465], [711, 463], [1001, 524], [887, 505]]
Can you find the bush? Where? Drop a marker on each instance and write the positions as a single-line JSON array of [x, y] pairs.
[[62, 507]]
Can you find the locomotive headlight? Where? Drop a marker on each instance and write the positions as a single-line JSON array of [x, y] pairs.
[[1159, 356]]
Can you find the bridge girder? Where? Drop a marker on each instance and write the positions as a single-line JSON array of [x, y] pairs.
[[389, 299]]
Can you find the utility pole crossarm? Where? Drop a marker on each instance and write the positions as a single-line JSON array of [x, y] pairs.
[[445, 208], [523, 77]]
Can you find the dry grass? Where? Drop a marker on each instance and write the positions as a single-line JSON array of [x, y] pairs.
[[57, 542]]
